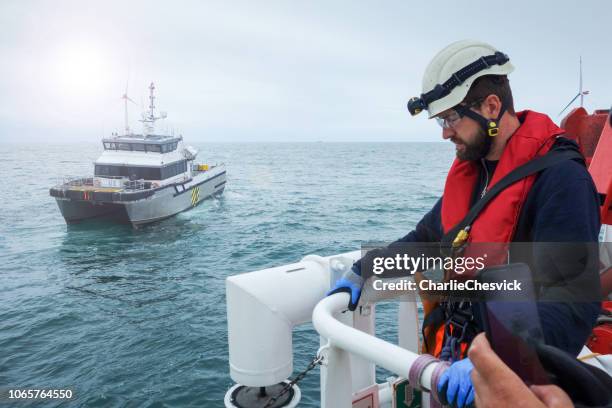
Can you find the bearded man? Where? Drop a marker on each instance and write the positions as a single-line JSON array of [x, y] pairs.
[[466, 90]]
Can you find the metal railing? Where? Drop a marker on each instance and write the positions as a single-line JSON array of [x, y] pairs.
[[66, 182], [262, 313], [72, 181], [136, 185], [343, 339]]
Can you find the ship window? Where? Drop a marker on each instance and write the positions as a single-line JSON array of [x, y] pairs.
[[109, 146], [139, 147], [149, 173], [124, 146], [141, 173], [174, 169], [132, 173], [168, 147], [153, 148], [111, 171]]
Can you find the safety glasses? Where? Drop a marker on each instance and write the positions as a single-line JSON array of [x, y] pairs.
[[450, 120], [455, 115]]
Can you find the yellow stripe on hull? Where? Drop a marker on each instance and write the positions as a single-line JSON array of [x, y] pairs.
[[95, 189], [195, 195]]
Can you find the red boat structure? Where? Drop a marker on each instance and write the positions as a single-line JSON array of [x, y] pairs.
[[593, 133]]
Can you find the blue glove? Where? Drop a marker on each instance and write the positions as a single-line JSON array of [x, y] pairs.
[[456, 384], [351, 283]]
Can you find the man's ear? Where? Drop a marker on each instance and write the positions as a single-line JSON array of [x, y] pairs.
[[491, 106]]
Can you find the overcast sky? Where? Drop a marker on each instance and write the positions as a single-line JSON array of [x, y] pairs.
[[277, 71]]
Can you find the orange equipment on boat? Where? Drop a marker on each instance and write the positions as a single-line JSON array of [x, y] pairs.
[[593, 133]]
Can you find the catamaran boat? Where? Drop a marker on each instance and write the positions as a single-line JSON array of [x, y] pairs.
[[140, 178], [263, 308]]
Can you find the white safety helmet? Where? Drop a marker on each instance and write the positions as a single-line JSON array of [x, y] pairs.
[[452, 71]]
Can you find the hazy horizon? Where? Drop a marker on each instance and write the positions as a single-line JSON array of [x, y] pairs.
[[276, 71]]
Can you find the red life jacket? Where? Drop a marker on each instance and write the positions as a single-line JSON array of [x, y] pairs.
[[497, 222]]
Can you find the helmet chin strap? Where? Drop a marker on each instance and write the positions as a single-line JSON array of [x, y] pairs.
[[490, 126]]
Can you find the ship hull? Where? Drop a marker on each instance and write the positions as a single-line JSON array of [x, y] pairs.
[[173, 200], [162, 203], [77, 211]]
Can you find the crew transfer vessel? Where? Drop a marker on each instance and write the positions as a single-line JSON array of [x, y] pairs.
[[140, 178]]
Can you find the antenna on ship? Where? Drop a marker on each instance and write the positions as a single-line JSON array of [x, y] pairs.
[[152, 101], [149, 121], [126, 98], [580, 94]]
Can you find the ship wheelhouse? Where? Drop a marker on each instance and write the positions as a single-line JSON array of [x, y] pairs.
[[141, 157], [141, 172]]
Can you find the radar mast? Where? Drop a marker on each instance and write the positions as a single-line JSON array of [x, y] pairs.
[[148, 121]]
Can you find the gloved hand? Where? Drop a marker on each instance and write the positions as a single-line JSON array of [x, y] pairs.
[[351, 283], [456, 384]]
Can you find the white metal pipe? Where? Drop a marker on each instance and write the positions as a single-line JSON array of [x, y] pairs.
[[394, 358]]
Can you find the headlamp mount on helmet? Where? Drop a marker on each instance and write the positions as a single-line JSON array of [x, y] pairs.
[[417, 104]]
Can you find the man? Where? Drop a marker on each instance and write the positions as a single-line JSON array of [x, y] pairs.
[[466, 89]]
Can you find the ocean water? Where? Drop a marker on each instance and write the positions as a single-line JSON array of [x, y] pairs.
[[136, 318]]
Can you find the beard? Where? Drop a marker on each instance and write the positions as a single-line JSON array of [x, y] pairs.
[[476, 150]]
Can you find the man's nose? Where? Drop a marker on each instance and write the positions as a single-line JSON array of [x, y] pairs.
[[447, 133]]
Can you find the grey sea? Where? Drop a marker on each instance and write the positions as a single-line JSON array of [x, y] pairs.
[[136, 318]]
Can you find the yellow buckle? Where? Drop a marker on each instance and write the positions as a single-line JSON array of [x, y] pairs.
[[493, 129], [461, 238]]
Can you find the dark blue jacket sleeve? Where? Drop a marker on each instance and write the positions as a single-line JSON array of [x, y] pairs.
[[563, 208]]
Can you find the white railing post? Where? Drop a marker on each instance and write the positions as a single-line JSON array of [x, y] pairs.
[[408, 323], [363, 371], [337, 391]]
